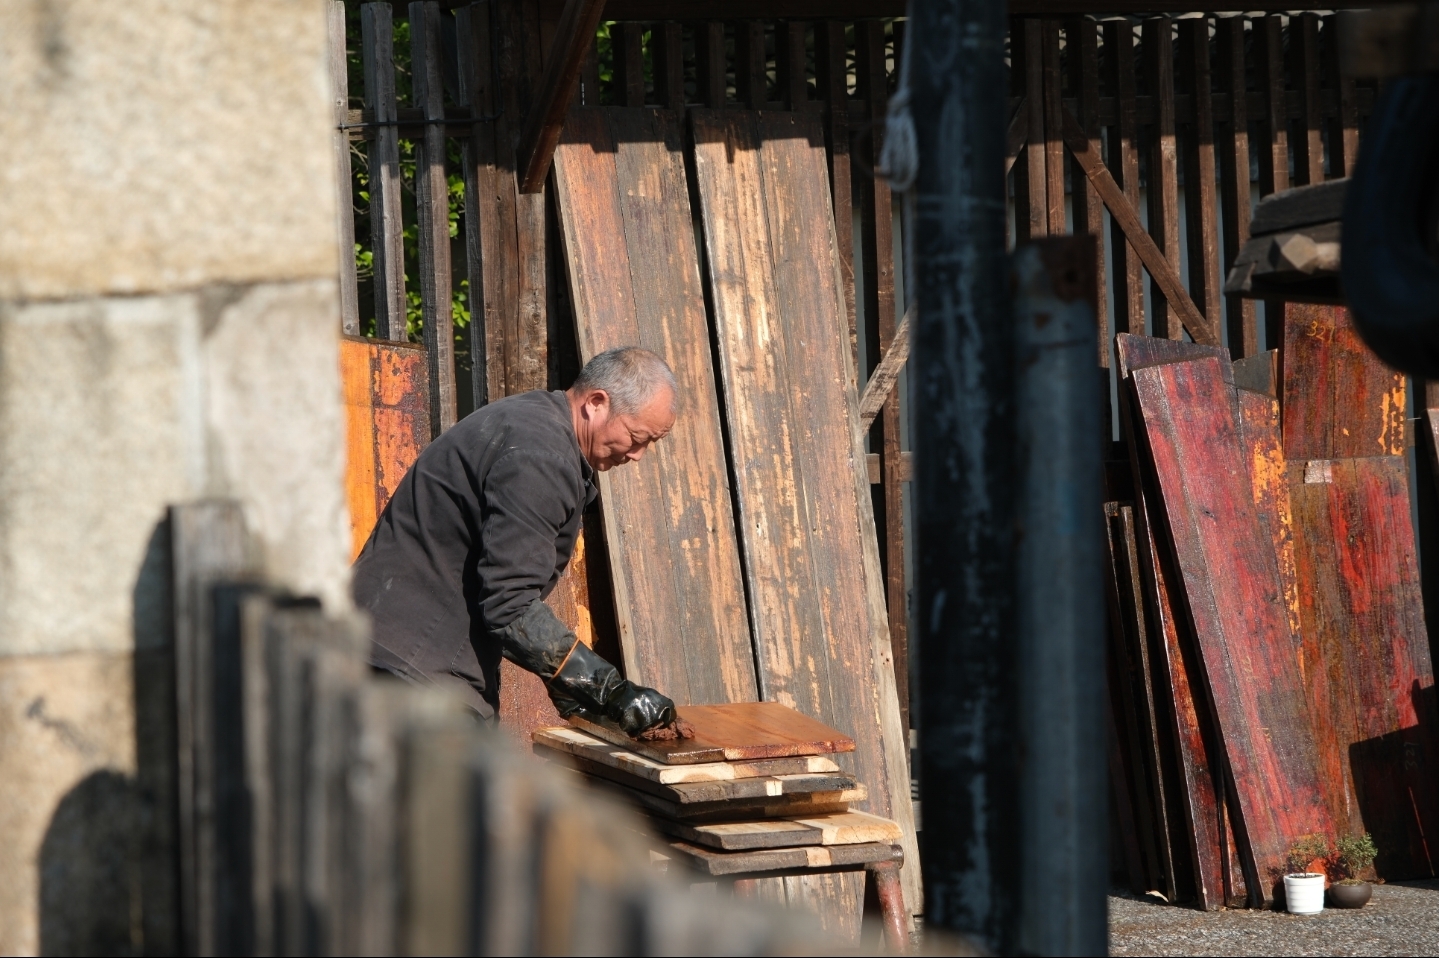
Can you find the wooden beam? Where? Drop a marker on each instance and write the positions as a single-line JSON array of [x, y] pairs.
[[573, 36], [886, 374]]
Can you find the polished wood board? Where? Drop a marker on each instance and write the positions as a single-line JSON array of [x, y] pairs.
[[817, 600], [584, 745], [840, 828], [634, 277], [1234, 596], [818, 857], [734, 732]]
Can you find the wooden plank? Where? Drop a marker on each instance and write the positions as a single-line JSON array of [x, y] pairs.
[[821, 635], [1268, 475], [708, 862], [790, 72], [886, 374], [575, 742], [1234, 176], [750, 86], [710, 64], [1234, 598], [629, 53], [670, 531], [669, 50], [693, 793], [1124, 163], [338, 60], [386, 224], [1268, 44], [387, 424], [574, 34], [804, 805], [1340, 401], [737, 731], [1369, 675], [1305, 68], [1056, 223], [877, 225], [1027, 76], [1202, 214], [831, 57], [432, 204], [1259, 373], [839, 828], [1082, 40], [1158, 37], [1344, 125]]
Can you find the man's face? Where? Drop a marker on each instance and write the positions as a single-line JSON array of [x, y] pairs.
[[618, 439]]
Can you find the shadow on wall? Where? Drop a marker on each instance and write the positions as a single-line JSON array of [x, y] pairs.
[[1395, 786], [108, 860]]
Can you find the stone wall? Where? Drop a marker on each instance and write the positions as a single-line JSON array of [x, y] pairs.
[[168, 327]]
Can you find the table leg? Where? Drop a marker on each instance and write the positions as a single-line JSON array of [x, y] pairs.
[[884, 898]]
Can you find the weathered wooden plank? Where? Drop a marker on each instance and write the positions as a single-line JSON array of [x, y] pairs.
[[812, 564], [1344, 125], [1202, 214], [1370, 676], [669, 49], [1234, 176], [387, 424], [1056, 222], [805, 804], [671, 535], [1158, 36], [710, 64], [831, 57], [733, 732], [1234, 597], [750, 86], [584, 745], [1340, 401], [1305, 68], [694, 793], [338, 60], [840, 828], [1082, 40], [1027, 77], [574, 34], [709, 862], [386, 225], [1124, 164], [885, 375], [790, 73], [629, 66], [1268, 45]]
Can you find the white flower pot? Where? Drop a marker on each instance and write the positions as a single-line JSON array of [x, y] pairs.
[[1304, 893]]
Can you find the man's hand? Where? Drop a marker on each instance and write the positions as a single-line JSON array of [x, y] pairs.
[[587, 684]]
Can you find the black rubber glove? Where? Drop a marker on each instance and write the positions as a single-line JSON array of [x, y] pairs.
[[578, 680]]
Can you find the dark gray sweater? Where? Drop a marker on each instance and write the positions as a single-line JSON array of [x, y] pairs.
[[482, 525]]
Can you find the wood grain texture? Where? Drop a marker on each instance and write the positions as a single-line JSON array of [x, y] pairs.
[[1123, 159], [386, 224], [738, 731], [1202, 213], [575, 742], [840, 828], [1234, 598], [1367, 663], [807, 526], [1340, 401], [387, 424], [1304, 67], [1233, 142], [1027, 77], [695, 793], [709, 862], [1268, 44], [619, 174], [1158, 35], [803, 804], [1344, 126], [831, 59], [1082, 39]]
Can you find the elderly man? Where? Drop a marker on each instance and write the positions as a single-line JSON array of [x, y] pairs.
[[455, 572]]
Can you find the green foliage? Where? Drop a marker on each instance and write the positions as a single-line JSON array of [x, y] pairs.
[[1355, 854], [1305, 850]]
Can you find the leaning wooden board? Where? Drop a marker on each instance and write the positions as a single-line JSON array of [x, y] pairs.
[[634, 279], [840, 828], [1234, 596], [734, 732], [741, 809], [821, 633], [622, 758], [710, 862]]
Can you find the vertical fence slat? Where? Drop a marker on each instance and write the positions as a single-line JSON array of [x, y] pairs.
[[1201, 217], [629, 52], [344, 205], [1027, 79], [1124, 165], [749, 64], [1055, 221], [472, 31], [1304, 57], [710, 63], [669, 46], [789, 63], [432, 202], [1344, 126], [386, 226], [1269, 67], [1082, 41], [877, 217], [1163, 164], [589, 76], [1234, 176], [831, 51]]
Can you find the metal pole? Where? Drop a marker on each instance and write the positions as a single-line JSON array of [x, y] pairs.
[[965, 476], [1058, 431]]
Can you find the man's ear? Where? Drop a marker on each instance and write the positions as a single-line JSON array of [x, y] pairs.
[[597, 400]]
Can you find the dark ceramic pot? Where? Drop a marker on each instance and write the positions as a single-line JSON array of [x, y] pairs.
[[1350, 896]]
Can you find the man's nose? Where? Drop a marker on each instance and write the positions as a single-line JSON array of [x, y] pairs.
[[636, 454]]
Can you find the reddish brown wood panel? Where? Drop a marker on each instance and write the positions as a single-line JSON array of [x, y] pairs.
[[1269, 480], [1361, 607], [619, 174], [1340, 401], [1234, 598], [387, 424], [807, 527], [734, 732]]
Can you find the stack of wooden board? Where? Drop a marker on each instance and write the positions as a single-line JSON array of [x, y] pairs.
[[753, 794]]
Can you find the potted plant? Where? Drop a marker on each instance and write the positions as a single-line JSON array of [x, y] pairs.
[[1303, 885], [1353, 856]]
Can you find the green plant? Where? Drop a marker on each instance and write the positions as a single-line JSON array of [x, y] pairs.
[[1355, 854], [1305, 850]]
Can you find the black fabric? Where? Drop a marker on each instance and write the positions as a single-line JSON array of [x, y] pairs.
[[587, 684], [479, 529]]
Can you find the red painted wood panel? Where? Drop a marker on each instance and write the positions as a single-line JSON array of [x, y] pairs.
[[1234, 598], [1368, 668]]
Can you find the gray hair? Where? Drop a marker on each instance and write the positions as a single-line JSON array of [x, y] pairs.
[[630, 375]]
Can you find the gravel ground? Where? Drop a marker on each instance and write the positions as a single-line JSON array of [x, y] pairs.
[[1401, 919]]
